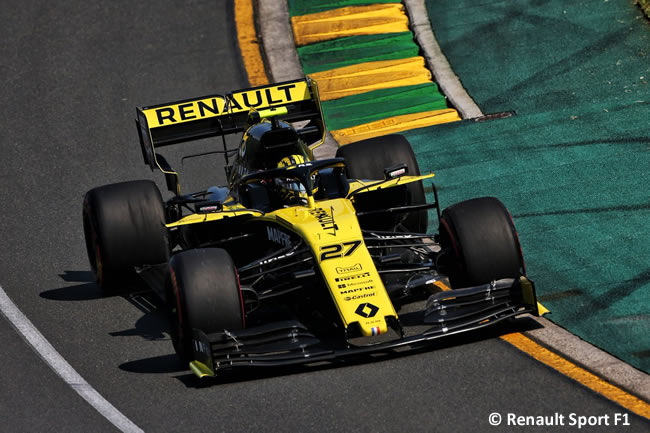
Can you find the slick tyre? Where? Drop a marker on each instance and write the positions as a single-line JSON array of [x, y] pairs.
[[367, 159], [124, 226], [203, 293], [482, 241]]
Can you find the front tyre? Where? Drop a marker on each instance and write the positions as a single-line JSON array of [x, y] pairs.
[[203, 293], [481, 239], [124, 227]]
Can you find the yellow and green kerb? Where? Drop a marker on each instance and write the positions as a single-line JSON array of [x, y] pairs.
[[371, 77]]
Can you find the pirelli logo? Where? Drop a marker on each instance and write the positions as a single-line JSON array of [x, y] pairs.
[[352, 277], [204, 108]]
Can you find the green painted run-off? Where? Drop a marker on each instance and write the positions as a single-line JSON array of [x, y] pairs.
[[573, 166]]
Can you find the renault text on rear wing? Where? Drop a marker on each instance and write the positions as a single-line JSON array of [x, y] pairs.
[[213, 115]]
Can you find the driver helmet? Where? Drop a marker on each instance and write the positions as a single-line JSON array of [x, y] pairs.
[[291, 190]]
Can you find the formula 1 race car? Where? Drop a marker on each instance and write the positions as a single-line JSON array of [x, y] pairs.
[[298, 260]]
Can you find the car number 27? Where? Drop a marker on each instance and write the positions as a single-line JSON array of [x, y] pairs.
[[334, 251]]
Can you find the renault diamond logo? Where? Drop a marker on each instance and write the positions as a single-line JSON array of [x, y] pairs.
[[366, 310]]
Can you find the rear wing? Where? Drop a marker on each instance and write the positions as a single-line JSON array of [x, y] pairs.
[[216, 115]]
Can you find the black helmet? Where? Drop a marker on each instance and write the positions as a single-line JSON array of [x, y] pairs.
[[265, 144]]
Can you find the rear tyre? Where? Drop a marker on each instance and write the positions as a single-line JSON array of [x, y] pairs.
[[203, 293], [367, 159], [482, 240], [124, 226]]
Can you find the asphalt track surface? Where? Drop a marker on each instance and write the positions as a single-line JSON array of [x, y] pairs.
[[71, 76]]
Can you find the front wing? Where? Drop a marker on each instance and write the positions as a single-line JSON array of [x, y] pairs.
[[290, 342]]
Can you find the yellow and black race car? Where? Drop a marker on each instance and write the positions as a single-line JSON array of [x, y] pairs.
[[298, 260]]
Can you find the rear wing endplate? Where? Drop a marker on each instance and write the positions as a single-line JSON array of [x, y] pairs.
[[216, 115]]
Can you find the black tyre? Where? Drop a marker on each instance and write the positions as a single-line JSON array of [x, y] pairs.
[[124, 226], [203, 292], [367, 159], [483, 242]]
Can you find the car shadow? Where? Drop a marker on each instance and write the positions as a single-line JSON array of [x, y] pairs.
[[161, 364], [152, 325], [80, 292], [88, 289]]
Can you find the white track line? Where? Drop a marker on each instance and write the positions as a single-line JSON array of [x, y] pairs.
[[61, 367]]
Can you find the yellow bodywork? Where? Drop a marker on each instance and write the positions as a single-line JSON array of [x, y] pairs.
[[331, 230], [228, 212], [200, 369], [333, 234], [372, 185]]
